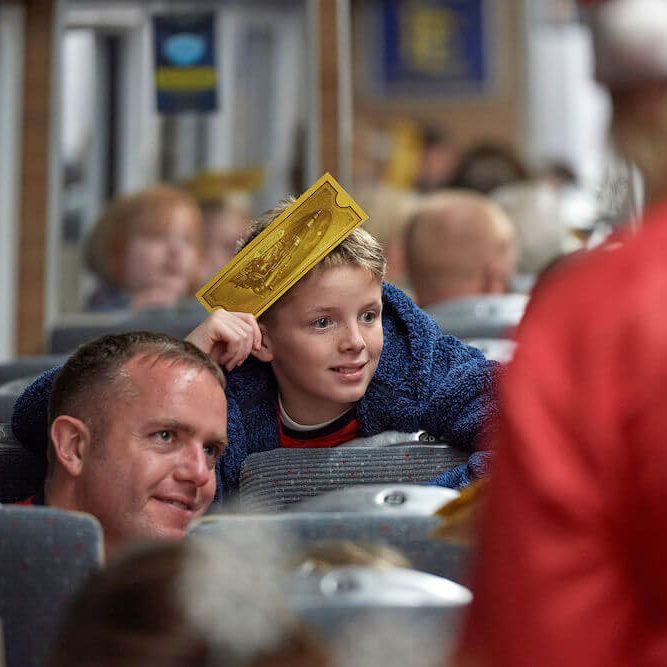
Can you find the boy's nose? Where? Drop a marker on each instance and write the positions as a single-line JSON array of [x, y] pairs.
[[352, 338]]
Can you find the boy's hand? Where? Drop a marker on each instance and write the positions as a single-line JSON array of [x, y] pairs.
[[228, 338]]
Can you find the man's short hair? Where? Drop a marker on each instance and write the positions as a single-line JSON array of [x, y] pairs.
[[94, 374], [359, 248]]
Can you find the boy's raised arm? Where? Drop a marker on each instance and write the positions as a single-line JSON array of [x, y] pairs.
[[228, 338]]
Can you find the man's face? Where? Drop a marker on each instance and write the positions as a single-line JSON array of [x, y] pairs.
[[326, 340], [152, 470]]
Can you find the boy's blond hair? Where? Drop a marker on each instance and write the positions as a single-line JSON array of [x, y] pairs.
[[359, 248]]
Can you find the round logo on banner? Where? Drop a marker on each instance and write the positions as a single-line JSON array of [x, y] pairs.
[[184, 49]]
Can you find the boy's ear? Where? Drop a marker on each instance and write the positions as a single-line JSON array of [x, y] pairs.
[[71, 441], [265, 352]]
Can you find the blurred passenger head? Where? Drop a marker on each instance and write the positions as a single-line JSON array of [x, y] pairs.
[[389, 210], [158, 606], [149, 245], [486, 166], [535, 211], [137, 423], [225, 222], [459, 244], [630, 38], [438, 160]]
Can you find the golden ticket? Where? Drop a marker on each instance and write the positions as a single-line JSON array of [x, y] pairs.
[[285, 251]]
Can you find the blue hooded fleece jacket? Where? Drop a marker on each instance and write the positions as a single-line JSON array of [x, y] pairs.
[[424, 381]]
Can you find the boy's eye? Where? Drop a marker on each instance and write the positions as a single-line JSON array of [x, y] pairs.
[[369, 316], [322, 322]]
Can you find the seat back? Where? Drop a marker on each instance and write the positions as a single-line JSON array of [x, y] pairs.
[[411, 535], [270, 481], [21, 472], [404, 499], [349, 605], [29, 366], [9, 392], [45, 555], [496, 349], [484, 316], [68, 334]]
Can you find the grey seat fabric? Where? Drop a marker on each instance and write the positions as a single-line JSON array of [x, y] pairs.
[[45, 555], [496, 349], [364, 606], [403, 499], [486, 316], [385, 635], [22, 367], [21, 472], [368, 586], [411, 535], [9, 392], [71, 332], [270, 481]]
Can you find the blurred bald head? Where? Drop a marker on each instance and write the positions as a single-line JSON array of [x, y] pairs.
[[459, 244]]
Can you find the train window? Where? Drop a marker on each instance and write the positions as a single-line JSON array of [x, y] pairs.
[[113, 141]]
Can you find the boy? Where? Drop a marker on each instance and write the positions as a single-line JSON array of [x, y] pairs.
[[343, 355], [339, 355]]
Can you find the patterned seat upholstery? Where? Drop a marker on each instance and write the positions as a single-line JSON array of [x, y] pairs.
[[45, 555], [270, 481]]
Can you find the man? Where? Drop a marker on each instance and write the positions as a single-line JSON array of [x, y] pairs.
[[137, 423], [459, 244], [573, 547]]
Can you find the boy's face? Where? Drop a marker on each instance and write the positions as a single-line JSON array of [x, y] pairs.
[[324, 342]]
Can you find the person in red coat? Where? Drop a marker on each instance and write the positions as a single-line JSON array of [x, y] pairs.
[[573, 543]]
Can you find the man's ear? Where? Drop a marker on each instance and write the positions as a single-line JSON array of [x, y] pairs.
[[71, 441], [265, 352]]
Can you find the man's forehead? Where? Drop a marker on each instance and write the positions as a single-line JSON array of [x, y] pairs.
[[175, 391]]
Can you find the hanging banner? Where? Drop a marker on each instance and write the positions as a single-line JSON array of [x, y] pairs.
[[434, 46], [185, 72]]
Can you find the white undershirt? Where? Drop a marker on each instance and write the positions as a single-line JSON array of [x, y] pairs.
[[295, 426]]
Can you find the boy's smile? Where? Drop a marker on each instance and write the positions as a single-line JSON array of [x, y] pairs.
[[324, 342]]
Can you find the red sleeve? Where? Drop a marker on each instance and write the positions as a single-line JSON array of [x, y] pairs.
[[551, 585]]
